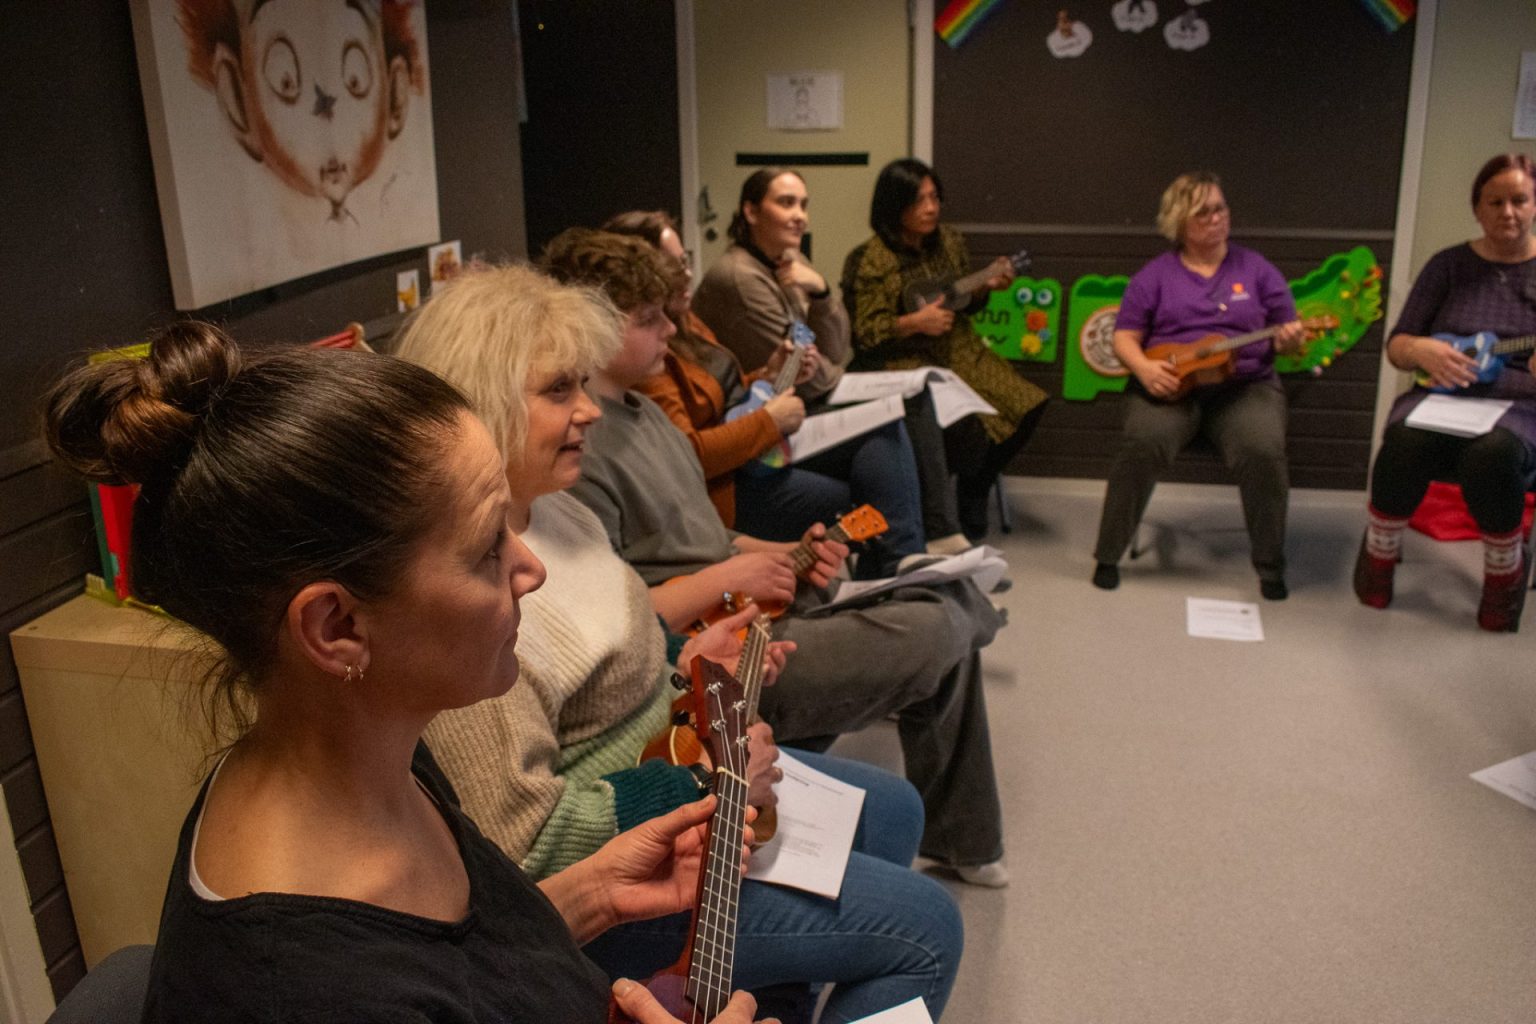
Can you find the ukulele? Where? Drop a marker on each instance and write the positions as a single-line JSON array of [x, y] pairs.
[[1209, 360], [1486, 350], [957, 292], [697, 987], [861, 524], [679, 743], [762, 391]]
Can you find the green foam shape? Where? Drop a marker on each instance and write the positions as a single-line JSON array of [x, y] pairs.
[[1347, 286], [1091, 294], [1022, 331]]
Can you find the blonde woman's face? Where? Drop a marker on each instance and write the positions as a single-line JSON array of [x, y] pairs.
[[1209, 222], [559, 413]]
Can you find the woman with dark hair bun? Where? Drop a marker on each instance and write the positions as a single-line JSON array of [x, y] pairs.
[[911, 246], [1483, 287], [336, 522]]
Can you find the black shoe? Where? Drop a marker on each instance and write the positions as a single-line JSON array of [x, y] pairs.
[[1274, 590], [1106, 576]]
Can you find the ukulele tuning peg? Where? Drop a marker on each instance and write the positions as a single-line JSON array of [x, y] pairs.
[[678, 682]]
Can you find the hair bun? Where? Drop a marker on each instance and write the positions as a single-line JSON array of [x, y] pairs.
[[132, 420]]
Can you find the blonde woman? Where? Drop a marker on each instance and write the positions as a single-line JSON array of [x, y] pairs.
[[1204, 285]]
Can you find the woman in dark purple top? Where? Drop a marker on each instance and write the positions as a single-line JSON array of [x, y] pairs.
[[1205, 286], [1485, 285]]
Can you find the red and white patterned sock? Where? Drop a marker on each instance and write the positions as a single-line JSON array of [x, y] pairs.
[[1501, 554], [1384, 535]]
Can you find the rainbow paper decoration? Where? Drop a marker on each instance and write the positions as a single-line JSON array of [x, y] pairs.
[[1392, 14], [959, 17]]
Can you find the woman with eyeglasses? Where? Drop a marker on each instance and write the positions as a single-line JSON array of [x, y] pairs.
[[1205, 285], [909, 247]]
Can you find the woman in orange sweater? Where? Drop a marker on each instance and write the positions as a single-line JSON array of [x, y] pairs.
[[702, 380]]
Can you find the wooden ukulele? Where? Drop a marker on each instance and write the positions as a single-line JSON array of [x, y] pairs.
[[697, 987], [861, 524], [679, 742], [1210, 360], [957, 292]]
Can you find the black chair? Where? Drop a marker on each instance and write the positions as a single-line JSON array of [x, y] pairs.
[[112, 992]]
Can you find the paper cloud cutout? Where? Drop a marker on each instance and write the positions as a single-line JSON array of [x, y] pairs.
[[1188, 31], [1134, 15]]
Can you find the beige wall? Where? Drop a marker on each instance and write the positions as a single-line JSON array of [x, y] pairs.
[[1473, 74], [737, 43]]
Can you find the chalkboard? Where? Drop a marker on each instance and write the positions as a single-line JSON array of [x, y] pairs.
[[1300, 107]]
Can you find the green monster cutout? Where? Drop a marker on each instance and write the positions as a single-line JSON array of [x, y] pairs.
[[1022, 321], [1346, 286], [1091, 365]]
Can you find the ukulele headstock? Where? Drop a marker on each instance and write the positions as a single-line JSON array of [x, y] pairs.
[[720, 716], [863, 523], [1316, 326]]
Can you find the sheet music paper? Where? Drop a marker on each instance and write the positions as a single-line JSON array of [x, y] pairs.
[[830, 429], [862, 387], [984, 564], [913, 1011], [1515, 778], [952, 397], [817, 818], [1456, 415]]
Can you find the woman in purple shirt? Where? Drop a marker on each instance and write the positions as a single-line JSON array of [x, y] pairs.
[[1487, 284], [1204, 286]]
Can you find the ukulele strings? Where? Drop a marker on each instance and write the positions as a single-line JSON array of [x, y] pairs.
[[714, 945]]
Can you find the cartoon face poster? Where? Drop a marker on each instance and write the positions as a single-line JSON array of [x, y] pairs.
[[289, 136]]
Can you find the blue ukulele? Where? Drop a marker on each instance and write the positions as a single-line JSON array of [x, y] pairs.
[[763, 391], [1486, 350]]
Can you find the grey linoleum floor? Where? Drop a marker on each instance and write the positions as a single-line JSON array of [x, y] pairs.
[[1208, 831]]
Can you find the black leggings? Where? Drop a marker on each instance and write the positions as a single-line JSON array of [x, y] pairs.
[[1494, 471], [975, 459]]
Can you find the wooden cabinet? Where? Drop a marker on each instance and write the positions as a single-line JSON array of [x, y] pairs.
[[113, 703]]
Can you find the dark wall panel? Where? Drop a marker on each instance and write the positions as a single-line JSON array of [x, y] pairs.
[[1300, 107], [602, 132], [85, 267]]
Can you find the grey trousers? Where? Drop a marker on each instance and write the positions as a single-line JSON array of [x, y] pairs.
[[1245, 423], [917, 655]]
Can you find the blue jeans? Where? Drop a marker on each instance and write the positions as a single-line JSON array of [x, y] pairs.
[[892, 934], [877, 468]]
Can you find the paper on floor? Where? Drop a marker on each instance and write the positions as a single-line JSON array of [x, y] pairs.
[[1515, 778], [1223, 620]]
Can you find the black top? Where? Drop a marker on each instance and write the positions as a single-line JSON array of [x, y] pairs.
[[273, 957]]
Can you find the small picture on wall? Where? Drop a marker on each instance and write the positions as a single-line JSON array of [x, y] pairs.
[[289, 136], [407, 290], [443, 261]]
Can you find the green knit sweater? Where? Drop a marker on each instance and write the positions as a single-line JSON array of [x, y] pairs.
[[548, 770]]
